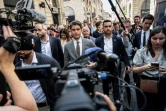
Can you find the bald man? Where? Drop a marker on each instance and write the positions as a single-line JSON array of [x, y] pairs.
[[86, 34]]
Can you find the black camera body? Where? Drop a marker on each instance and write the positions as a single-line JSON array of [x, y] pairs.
[[74, 98], [87, 77]]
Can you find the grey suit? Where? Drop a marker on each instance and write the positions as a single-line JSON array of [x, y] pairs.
[[70, 52]]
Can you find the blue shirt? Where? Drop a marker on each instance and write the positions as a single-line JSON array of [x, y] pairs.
[[46, 48], [34, 85]]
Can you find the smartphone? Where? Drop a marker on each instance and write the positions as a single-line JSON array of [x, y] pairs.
[[155, 64]]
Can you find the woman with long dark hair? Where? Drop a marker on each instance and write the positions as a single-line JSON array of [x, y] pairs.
[[64, 37], [153, 76]]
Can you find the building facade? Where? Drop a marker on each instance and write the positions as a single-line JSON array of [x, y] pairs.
[[41, 6], [132, 8], [90, 10]]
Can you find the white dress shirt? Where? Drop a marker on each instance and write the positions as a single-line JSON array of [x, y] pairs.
[[80, 44], [108, 46], [142, 37]]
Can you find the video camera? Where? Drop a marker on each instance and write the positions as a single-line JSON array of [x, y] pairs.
[[20, 21], [72, 82]]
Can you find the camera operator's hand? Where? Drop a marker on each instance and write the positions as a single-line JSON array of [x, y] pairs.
[[107, 99], [90, 65], [6, 58], [9, 101], [22, 97], [7, 32]]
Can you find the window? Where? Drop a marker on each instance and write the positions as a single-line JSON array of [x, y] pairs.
[[160, 15]]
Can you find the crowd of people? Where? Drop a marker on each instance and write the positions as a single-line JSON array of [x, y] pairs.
[[136, 45]]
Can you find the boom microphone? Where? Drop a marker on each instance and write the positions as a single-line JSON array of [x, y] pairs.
[[100, 54], [35, 15]]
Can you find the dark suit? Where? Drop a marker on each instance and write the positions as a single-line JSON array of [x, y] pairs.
[[56, 49], [96, 34], [46, 84], [137, 40], [118, 49], [117, 32]]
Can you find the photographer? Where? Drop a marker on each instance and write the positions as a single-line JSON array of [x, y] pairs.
[[22, 97]]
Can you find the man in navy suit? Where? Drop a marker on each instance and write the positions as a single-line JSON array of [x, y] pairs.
[[112, 44], [48, 45], [142, 36]]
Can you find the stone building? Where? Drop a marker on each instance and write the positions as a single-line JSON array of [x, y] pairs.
[[132, 8], [41, 6], [90, 10]]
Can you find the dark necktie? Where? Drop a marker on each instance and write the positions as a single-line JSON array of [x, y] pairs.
[[78, 48], [144, 39]]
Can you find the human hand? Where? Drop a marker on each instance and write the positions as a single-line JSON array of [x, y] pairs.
[[6, 58], [107, 99], [128, 69], [9, 101], [149, 67], [125, 33], [90, 65], [7, 32], [162, 69]]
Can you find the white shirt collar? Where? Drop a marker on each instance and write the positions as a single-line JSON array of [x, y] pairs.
[[75, 41], [46, 40], [145, 31], [108, 38]]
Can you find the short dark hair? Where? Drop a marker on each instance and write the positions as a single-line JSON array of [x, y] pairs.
[[98, 23], [126, 21], [137, 16], [76, 22], [115, 23], [149, 17], [106, 21]]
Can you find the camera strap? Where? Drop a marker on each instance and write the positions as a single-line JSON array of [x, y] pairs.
[[12, 44]]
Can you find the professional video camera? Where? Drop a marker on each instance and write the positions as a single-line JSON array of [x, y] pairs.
[[21, 24], [76, 82]]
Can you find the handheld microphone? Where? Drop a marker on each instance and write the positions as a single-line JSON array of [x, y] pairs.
[[35, 15], [107, 56]]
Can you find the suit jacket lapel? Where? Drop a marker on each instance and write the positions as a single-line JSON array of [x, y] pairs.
[[114, 43], [51, 44], [102, 42], [38, 46], [139, 39], [83, 46], [73, 48]]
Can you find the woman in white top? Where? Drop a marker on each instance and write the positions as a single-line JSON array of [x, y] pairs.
[[155, 51]]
